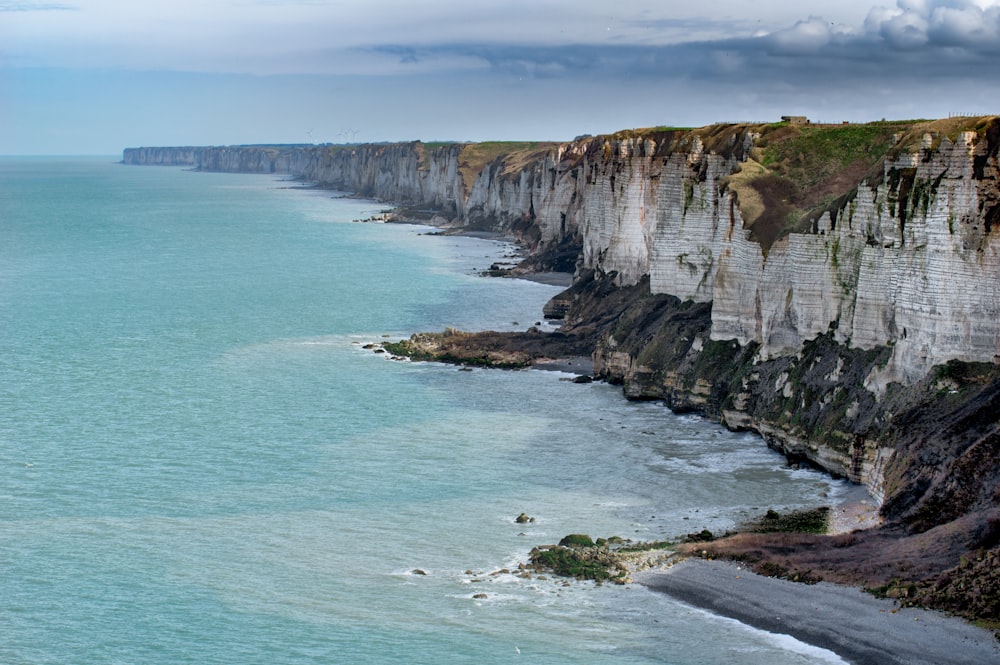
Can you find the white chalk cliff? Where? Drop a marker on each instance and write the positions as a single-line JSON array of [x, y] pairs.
[[911, 260]]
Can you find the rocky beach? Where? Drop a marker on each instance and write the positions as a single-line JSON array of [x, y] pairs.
[[856, 626]]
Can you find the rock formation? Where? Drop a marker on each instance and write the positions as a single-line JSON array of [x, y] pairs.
[[903, 259]]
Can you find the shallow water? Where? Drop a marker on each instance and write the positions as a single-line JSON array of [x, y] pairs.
[[201, 463]]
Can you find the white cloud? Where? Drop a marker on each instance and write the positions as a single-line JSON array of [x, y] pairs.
[[904, 30], [309, 36], [916, 24], [248, 70], [805, 36]]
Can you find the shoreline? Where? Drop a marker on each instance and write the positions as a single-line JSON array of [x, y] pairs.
[[857, 626], [578, 365], [844, 620], [563, 279]]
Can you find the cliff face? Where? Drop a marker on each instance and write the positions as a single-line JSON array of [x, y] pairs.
[[892, 256], [186, 156], [909, 259], [908, 262]]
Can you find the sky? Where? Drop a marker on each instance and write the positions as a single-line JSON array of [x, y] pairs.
[[96, 76]]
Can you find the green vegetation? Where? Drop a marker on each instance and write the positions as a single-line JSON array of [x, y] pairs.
[[569, 562], [688, 194], [434, 145], [957, 376], [796, 173], [577, 555], [808, 154], [703, 536], [577, 540], [642, 132], [802, 521], [895, 588], [407, 349], [799, 171]]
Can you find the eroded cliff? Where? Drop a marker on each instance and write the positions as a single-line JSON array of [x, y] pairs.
[[873, 242], [834, 288]]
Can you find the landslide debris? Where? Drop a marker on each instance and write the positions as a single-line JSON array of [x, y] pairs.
[[500, 350]]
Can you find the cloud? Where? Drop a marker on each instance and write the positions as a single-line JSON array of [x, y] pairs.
[[916, 24], [267, 70], [807, 36], [916, 40], [663, 49], [268, 37], [523, 38]]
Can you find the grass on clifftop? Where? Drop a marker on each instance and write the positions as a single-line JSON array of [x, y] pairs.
[[797, 169], [516, 154], [795, 172]]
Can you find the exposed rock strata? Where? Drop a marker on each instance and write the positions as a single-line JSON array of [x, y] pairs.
[[906, 262], [909, 260]]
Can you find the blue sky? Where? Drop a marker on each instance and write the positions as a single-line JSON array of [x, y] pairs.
[[94, 76]]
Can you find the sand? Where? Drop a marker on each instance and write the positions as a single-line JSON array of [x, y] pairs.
[[856, 626], [856, 509]]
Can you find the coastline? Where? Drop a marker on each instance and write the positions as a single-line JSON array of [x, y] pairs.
[[843, 520], [844, 620], [578, 365], [563, 279], [847, 621]]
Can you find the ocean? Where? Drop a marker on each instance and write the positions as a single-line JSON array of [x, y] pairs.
[[201, 464]]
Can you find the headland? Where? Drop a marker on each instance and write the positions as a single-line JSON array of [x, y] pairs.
[[835, 289]]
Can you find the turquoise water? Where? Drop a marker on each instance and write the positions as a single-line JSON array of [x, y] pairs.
[[201, 464]]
